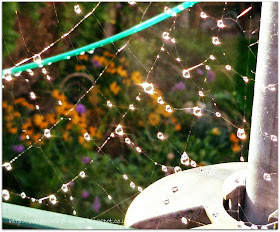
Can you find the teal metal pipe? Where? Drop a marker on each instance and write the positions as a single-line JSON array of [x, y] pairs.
[[101, 43]]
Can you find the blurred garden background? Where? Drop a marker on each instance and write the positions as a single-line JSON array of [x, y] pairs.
[[42, 169]]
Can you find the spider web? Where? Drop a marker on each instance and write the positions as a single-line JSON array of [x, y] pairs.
[[119, 118]]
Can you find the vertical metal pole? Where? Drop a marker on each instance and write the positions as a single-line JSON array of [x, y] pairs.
[[261, 198]]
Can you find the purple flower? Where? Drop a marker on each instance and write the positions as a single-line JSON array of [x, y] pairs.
[[18, 148], [95, 63], [179, 86], [199, 71], [85, 159], [211, 76], [85, 194], [80, 108], [96, 204]]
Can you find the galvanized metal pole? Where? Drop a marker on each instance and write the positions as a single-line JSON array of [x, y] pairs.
[[261, 198]]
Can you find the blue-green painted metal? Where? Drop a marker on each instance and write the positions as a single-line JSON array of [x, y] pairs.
[[25, 217]]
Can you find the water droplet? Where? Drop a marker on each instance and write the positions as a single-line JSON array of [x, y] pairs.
[[33, 199], [44, 71], [112, 135], [109, 104], [131, 107], [138, 98], [59, 103], [132, 3], [254, 227], [274, 138], [91, 51], [228, 67], [132, 185], [193, 163], [197, 111], [245, 79], [160, 100], [8, 75], [167, 10], [77, 9], [87, 136], [71, 198], [218, 114], [212, 57], [8, 166], [241, 133], [162, 49], [23, 195], [185, 160], [203, 15], [264, 227], [40, 201], [109, 197], [267, 176], [242, 159], [200, 93], [215, 40], [48, 78], [166, 201], [32, 95], [64, 188], [207, 67], [168, 108], [164, 168], [178, 59], [165, 35], [37, 59], [177, 169], [220, 23], [271, 87], [184, 220], [82, 174], [160, 135], [148, 88], [37, 107], [127, 140], [186, 74], [74, 212], [125, 177], [174, 189], [53, 199], [138, 149], [47, 133], [140, 189], [5, 194], [173, 40]]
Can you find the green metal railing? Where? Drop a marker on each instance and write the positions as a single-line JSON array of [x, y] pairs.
[[15, 216]]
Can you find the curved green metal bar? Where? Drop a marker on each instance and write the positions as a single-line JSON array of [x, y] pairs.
[[101, 43]]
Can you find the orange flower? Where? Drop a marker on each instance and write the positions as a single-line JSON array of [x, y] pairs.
[[141, 123], [121, 71], [106, 53], [13, 130], [4, 104], [51, 118], [233, 138], [79, 67], [154, 119], [83, 57], [178, 127], [173, 120], [235, 147], [115, 88], [40, 121], [17, 114], [136, 77]]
